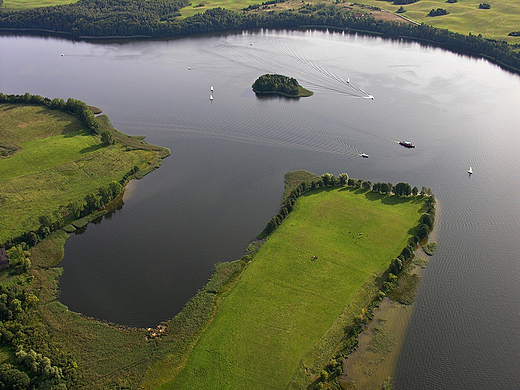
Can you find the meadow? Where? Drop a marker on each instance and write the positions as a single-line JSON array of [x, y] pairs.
[[464, 17], [298, 284], [56, 163]]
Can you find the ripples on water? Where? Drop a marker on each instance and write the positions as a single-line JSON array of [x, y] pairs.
[[224, 179]]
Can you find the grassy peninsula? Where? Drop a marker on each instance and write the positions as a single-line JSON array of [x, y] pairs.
[[51, 161], [280, 85], [307, 283]]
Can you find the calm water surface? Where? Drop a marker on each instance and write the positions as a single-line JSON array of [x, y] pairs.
[[224, 179]]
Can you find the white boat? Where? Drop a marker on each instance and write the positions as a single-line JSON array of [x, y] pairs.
[[470, 171], [210, 97], [364, 155], [211, 89]]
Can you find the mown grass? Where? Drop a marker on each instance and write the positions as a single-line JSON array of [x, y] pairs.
[[58, 164], [285, 300]]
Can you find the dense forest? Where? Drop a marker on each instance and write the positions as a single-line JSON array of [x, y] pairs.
[[156, 18], [276, 83]]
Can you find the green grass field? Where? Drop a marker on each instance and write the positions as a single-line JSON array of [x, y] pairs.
[[286, 300], [58, 163], [464, 16]]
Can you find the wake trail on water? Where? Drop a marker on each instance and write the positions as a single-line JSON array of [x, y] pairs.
[[339, 84], [289, 133]]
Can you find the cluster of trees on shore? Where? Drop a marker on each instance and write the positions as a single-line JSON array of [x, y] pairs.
[[71, 106], [328, 180], [48, 369], [102, 18]]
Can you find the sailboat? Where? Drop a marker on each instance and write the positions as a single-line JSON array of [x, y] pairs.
[[470, 171]]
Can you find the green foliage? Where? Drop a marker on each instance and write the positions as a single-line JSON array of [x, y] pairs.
[[328, 179], [343, 178], [430, 248], [18, 260], [106, 138], [12, 378], [402, 189], [438, 12], [388, 384], [275, 83], [484, 6]]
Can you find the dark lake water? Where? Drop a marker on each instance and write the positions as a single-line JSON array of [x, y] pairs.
[[224, 179]]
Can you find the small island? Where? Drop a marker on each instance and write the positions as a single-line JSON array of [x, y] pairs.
[[281, 85]]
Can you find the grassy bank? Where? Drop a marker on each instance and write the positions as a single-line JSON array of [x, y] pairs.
[[298, 284], [54, 162]]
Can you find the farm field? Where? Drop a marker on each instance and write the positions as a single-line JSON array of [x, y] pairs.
[[297, 285]]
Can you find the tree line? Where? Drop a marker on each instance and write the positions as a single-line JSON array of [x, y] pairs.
[[155, 18], [328, 180]]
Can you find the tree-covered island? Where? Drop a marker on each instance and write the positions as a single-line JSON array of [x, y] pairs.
[[281, 85]]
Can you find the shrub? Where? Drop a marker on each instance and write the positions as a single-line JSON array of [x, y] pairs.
[[438, 12]]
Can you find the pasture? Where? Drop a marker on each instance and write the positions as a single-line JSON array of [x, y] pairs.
[[298, 284]]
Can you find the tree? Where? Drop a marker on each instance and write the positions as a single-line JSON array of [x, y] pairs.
[[438, 12], [327, 179], [415, 191], [75, 209], [106, 138], [343, 178], [402, 189], [12, 378], [92, 203], [366, 185]]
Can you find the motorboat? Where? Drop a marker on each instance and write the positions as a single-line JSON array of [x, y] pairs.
[[407, 144], [470, 171], [364, 155]]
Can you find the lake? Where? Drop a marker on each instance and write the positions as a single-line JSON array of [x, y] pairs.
[[224, 179]]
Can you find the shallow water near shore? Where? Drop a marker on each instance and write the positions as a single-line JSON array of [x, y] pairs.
[[224, 179]]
